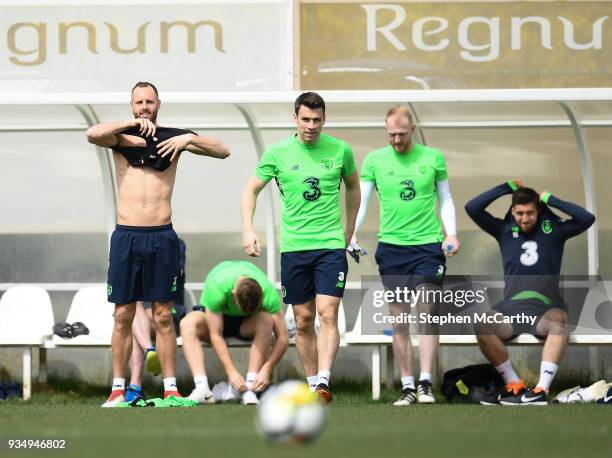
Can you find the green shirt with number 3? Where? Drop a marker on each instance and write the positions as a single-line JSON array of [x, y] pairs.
[[309, 177], [406, 185]]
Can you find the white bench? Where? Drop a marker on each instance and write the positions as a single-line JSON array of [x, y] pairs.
[[582, 335], [26, 320]]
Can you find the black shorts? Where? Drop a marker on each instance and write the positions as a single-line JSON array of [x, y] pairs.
[[304, 274], [231, 324], [143, 264], [527, 308], [410, 266]]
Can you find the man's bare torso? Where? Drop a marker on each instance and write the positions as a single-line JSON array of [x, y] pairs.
[[145, 193]]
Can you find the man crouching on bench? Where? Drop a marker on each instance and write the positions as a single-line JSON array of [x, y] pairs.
[[238, 301]]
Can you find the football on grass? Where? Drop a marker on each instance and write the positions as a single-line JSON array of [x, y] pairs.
[[290, 413]]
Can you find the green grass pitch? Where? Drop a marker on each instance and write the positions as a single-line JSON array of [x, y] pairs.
[[357, 427]]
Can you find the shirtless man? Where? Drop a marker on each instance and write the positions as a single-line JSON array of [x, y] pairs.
[[144, 251]]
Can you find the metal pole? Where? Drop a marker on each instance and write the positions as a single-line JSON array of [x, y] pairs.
[[269, 197]]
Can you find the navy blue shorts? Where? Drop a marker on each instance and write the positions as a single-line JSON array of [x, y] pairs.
[[529, 308], [143, 264], [410, 266], [304, 274]]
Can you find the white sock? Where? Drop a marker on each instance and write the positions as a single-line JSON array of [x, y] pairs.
[[323, 377], [201, 381], [426, 376], [170, 384], [250, 379], [118, 384], [312, 382], [408, 382], [507, 372], [547, 373]]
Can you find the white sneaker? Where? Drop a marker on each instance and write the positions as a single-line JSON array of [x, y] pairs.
[[202, 395], [249, 398], [425, 393], [116, 397], [223, 392], [407, 398]]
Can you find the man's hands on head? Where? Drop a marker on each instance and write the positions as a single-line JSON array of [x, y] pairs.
[[518, 183]]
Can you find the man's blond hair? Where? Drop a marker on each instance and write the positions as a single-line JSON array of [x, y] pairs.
[[400, 111]]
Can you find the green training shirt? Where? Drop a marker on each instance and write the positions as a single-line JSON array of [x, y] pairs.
[[220, 281], [406, 186], [308, 177]]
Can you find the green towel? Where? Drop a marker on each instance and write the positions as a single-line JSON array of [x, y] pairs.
[[171, 401]]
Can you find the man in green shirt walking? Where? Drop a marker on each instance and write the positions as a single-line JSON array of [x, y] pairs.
[[238, 301], [308, 168], [410, 180]]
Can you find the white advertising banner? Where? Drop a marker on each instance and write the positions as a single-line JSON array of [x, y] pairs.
[[95, 46]]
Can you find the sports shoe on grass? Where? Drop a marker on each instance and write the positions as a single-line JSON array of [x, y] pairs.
[[249, 398], [175, 393], [323, 393], [116, 397], [526, 397], [513, 390], [425, 393], [202, 395], [152, 361], [133, 392], [407, 398]]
